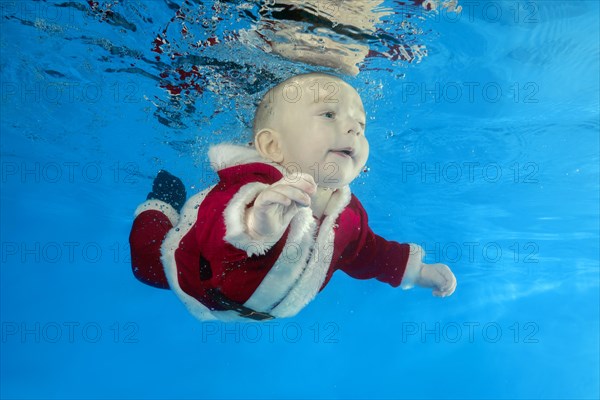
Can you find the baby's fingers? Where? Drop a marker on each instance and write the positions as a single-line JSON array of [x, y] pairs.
[[292, 193], [304, 182], [282, 195], [447, 284], [445, 290], [271, 197]]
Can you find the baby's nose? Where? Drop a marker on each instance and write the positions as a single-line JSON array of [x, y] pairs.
[[354, 129]]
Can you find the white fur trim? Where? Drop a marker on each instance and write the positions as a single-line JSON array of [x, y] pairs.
[[308, 285], [289, 266], [226, 155], [235, 222], [158, 205], [413, 266]]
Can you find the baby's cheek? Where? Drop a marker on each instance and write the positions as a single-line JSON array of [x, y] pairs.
[[365, 146], [363, 158]]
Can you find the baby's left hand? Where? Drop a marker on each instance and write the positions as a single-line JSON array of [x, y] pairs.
[[439, 277]]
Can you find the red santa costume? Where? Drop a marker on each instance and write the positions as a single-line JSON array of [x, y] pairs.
[[219, 272]]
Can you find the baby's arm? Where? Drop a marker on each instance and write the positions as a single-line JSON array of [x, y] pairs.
[[276, 205]]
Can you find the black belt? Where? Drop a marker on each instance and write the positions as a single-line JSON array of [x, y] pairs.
[[228, 304]]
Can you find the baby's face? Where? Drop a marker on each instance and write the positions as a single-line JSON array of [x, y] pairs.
[[321, 123]]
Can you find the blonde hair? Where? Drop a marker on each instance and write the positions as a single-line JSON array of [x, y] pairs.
[[268, 105]]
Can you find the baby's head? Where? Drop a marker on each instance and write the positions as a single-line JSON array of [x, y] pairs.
[[313, 123]]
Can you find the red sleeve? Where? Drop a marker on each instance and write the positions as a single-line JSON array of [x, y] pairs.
[[147, 234], [369, 256]]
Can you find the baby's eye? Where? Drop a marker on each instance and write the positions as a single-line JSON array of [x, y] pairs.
[[362, 125], [329, 114]]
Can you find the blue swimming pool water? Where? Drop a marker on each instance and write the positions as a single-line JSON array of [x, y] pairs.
[[485, 152]]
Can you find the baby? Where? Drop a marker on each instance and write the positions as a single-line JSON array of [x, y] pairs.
[[267, 238]]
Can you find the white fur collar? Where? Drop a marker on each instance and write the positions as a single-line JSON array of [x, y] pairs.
[[227, 155]]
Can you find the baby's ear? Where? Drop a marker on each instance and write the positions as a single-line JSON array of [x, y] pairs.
[[267, 144]]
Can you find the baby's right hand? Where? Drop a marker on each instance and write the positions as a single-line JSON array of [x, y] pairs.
[[276, 205], [437, 276]]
